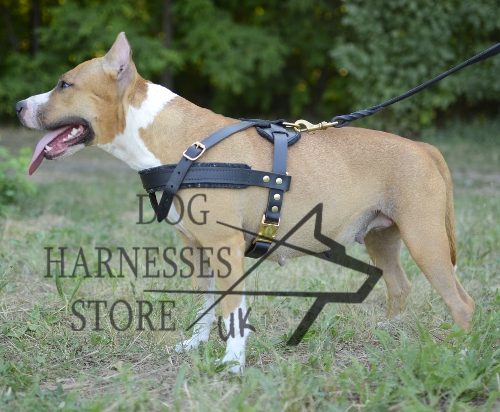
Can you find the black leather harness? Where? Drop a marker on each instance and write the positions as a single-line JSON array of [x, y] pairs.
[[189, 173]]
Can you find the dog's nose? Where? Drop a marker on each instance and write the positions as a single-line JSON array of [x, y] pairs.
[[20, 106]]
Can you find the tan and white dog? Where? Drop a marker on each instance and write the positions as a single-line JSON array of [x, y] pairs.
[[376, 188]]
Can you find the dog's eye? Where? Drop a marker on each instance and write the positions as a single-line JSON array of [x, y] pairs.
[[62, 85]]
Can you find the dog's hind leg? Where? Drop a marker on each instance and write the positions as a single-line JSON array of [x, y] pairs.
[[461, 291], [425, 236], [384, 246], [442, 167], [202, 278]]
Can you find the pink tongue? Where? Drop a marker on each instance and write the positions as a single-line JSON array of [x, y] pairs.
[[38, 155]]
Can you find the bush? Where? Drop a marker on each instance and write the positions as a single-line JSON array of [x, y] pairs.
[[13, 184], [391, 47]]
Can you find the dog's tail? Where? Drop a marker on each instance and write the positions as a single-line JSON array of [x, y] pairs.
[[440, 163]]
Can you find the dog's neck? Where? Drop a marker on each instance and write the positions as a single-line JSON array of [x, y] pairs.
[[159, 126]]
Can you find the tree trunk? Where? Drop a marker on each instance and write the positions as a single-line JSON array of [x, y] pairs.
[[166, 77], [35, 24], [10, 30]]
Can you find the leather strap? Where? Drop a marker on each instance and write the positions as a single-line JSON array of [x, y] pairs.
[[214, 175], [293, 135], [279, 167], [260, 247], [190, 155]]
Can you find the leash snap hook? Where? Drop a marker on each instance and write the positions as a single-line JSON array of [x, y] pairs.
[[308, 126], [197, 145]]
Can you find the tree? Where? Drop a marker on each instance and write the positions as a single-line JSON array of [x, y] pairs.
[[276, 59], [391, 47]]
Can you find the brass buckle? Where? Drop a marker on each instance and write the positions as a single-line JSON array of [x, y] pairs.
[[267, 231], [309, 127], [197, 145]]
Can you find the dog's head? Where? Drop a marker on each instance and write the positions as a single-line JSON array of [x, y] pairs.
[[87, 107]]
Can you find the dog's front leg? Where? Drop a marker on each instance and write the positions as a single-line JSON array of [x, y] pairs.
[[228, 271], [237, 329], [202, 278]]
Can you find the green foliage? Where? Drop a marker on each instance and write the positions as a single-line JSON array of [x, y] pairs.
[[232, 57], [75, 32], [259, 58], [281, 58], [422, 373], [13, 184], [391, 47]]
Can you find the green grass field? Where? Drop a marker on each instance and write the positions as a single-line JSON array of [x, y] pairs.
[[421, 363]]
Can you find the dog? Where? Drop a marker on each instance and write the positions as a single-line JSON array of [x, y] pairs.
[[376, 188]]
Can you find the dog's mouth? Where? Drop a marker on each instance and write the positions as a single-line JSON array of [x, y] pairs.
[[57, 142]]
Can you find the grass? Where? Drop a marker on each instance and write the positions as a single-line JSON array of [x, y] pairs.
[[422, 363]]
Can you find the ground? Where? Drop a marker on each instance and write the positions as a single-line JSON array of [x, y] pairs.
[[422, 362]]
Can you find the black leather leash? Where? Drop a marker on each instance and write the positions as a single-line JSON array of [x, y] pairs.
[[345, 119], [188, 173]]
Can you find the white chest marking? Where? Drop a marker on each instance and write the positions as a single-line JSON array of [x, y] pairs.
[[129, 146]]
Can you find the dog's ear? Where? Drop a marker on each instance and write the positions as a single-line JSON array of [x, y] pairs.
[[118, 62]]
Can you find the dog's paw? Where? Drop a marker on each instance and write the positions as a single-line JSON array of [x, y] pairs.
[[188, 344], [390, 323], [235, 353], [238, 362], [201, 334]]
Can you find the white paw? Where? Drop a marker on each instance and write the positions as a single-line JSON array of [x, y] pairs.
[[232, 357], [189, 344], [235, 352], [389, 323]]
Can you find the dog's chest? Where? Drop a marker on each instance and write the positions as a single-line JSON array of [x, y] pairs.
[[129, 146]]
